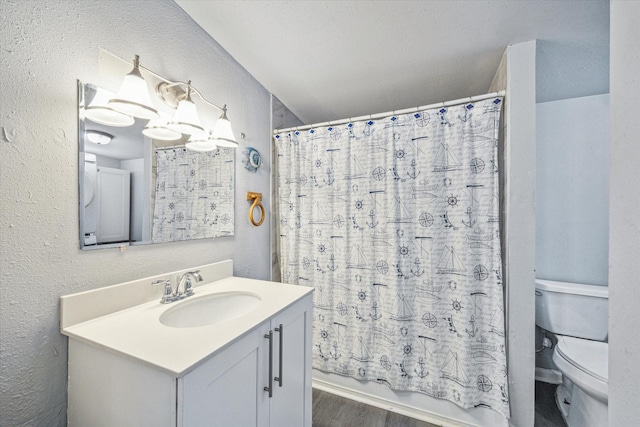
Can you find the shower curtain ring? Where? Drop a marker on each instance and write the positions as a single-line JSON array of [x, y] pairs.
[[257, 202]]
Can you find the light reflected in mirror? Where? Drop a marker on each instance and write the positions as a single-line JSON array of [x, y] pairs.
[[137, 190]]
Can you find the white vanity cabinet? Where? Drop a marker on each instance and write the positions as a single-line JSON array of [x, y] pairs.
[[229, 389], [226, 389]]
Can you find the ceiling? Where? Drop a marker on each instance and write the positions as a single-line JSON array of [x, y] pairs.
[[328, 60]]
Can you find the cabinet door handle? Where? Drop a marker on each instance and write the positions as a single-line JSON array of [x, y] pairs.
[[279, 377], [269, 336]]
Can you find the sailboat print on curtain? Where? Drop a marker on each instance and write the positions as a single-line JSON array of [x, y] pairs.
[[402, 310], [450, 263], [445, 160], [452, 370], [396, 225]]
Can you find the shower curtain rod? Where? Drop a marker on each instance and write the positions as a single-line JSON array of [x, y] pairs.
[[394, 112]]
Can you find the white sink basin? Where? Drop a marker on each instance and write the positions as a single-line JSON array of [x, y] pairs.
[[209, 309]]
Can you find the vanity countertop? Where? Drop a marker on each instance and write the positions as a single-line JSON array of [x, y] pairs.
[[136, 332]]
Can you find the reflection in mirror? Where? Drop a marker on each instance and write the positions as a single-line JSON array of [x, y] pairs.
[[138, 190]]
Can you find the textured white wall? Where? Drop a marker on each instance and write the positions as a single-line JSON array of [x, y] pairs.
[[624, 217], [46, 46], [572, 190]]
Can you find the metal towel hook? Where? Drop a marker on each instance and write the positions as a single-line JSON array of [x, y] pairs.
[[257, 202]]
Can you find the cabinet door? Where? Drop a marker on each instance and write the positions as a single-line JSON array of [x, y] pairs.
[[228, 389], [291, 402]]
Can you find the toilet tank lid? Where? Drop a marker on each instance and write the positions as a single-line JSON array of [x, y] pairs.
[[572, 288]]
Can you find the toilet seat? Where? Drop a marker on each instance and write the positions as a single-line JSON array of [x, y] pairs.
[[585, 363]]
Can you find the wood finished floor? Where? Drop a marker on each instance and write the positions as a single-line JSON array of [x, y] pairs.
[[547, 413], [330, 410]]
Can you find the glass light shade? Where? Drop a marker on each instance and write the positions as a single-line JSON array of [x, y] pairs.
[[99, 111], [223, 134], [200, 142], [133, 97], [201, 146], [158, 129], [185, 119]]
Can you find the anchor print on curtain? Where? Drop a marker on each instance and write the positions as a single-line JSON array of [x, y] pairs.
[[395, 223]]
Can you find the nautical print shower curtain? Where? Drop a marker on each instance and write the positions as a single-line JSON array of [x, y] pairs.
[[194, 193], [395, 224]]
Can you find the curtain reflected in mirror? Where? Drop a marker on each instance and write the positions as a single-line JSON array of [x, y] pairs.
[[193, 194], [137, 190]]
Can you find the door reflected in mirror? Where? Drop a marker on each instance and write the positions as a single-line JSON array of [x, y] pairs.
[[137, 190]]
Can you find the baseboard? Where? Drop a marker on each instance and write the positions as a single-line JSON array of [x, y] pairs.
[[550, 376], [409, 411]]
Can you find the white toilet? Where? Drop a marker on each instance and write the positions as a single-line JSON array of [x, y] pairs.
[[577, 314]]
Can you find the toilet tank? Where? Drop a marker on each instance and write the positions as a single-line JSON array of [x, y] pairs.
[[572, 309]]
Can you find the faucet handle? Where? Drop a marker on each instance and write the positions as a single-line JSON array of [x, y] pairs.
[[167, 297], [188, 291]]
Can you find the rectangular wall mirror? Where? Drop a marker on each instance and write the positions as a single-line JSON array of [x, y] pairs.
[[136, 190]]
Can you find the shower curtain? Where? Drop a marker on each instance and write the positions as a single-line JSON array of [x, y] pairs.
[[395, 223], [194, 193]]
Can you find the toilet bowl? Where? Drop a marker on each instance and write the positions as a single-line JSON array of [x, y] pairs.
[[577, 315], [584, 393]]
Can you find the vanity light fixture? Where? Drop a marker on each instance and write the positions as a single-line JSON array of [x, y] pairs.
[[133, 100], [133, 97], [98, 111], [98, 137]]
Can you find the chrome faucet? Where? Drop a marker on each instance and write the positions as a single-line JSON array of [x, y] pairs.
[[167, 295], [183, 281], [186, 288]]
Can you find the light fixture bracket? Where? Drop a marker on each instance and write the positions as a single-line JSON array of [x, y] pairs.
[[171, 93]]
